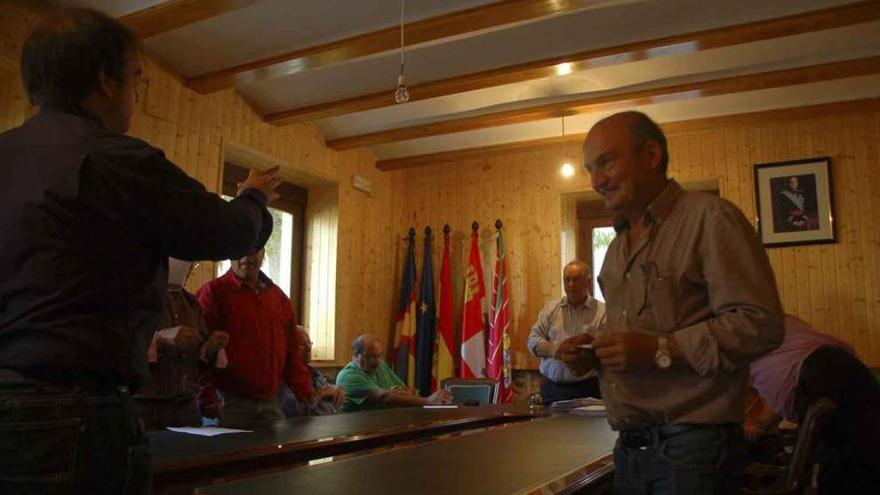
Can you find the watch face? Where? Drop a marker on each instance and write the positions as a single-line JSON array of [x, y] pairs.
[[664, 361]]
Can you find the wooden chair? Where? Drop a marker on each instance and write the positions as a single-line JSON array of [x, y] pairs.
[[471, 392], [797, 477]]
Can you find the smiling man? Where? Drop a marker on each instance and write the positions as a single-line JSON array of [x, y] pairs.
[[690, 301]]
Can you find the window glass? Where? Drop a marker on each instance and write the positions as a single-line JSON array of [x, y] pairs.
[[602, 237]]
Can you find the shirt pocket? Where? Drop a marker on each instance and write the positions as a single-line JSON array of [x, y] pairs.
[[662, 308]]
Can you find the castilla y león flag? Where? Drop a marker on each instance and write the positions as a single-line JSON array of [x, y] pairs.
[[473, 347]]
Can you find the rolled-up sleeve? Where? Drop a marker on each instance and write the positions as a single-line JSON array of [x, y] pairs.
[[747, 314], [539, 343]]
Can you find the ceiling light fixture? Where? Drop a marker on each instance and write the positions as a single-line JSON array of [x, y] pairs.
[[567, 169], [401, 94]]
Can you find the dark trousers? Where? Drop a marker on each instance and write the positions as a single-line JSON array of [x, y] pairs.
[[554, 391], [67, 441], [679, 459], [847, 452]]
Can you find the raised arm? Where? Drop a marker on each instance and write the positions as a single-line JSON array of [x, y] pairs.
[[156, 202]]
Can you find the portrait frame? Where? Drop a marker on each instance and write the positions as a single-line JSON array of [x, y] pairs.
[[795, 202]]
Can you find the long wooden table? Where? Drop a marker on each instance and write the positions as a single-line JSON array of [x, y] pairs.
[[186, 460], [552, 455]]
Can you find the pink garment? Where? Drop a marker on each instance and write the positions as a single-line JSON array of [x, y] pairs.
[[775, 376]]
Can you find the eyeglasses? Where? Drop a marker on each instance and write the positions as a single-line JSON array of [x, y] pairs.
[[372, 355]]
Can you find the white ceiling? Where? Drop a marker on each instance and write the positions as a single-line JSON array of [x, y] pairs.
[[271, 27]]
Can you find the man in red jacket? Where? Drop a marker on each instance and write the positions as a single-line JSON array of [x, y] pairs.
[[263, 348]]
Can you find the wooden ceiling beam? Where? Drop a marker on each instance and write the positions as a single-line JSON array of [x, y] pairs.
[[669, 128], [683, 91], [819, 20], [436, 28], [174, 14]]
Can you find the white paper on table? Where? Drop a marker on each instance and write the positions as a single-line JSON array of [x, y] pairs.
[[441, 407], [206, 431]]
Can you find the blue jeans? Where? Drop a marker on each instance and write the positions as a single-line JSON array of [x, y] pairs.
[[62, 441], [679, 459]]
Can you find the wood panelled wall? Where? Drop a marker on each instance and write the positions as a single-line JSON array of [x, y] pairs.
[[192, 128], [836, 287]]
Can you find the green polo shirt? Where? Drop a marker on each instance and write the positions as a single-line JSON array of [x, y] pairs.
[[358, 384]]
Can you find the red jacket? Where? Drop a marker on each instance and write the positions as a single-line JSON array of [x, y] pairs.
[[264, 346]]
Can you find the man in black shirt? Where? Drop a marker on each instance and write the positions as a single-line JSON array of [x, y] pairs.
[[88, 218]]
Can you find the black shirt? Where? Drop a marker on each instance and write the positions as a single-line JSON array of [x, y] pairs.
[[88, 219]]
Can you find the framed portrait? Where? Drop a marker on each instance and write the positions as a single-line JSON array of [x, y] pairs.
[[794, 202]]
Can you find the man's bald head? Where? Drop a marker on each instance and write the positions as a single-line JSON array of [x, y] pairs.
[[626, 157], [576, 279], [367, 350], [641, 129]]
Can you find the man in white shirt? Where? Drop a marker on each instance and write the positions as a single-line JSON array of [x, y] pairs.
[[574, 314]]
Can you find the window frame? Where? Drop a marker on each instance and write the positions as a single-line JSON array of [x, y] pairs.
[[293, 200]]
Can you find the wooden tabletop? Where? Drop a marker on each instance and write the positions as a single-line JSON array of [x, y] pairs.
[[554, 455], [182, 458]]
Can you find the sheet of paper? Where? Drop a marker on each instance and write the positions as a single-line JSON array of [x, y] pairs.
[[206, 431], [441, 407], [569, 404], [594, 410]]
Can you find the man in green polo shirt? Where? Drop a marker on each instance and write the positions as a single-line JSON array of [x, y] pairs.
[[370, 384]]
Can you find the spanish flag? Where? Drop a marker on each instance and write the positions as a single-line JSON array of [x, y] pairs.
[[444, 365]]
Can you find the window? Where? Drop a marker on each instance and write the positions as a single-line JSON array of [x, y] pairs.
[[279, 260], [302, 250], [283, 261], [595, 233], [601, 238]]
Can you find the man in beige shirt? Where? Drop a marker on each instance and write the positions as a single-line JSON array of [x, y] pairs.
[[690, 301], [559, 320]]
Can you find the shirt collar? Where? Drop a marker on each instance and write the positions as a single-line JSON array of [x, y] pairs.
[[233, 280], [587, 303], [658, 210], [74, 110]]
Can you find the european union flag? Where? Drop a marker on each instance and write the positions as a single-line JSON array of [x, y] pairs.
[[426, 323]]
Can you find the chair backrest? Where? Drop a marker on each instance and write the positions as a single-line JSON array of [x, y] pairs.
[[475, 391], [803, 460]]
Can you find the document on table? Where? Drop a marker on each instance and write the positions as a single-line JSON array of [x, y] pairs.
[[441, 407], [206, 431]]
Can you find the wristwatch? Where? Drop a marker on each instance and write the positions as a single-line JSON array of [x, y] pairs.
[[662, 358]]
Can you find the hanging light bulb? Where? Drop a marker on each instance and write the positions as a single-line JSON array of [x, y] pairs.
[[401, 94], [567, 170]]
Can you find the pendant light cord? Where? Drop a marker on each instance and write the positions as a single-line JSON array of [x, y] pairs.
[[402, 4]]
